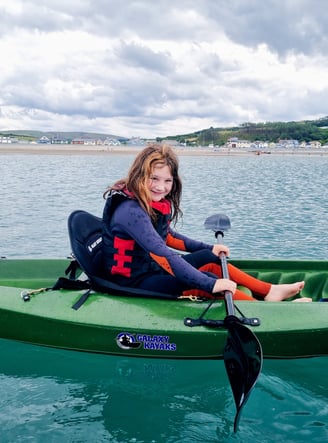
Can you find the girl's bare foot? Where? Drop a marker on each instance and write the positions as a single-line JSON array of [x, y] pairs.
[[281, 292], [303, 299]]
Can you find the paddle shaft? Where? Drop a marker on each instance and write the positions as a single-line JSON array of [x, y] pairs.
[[228, 296], [242, 353]]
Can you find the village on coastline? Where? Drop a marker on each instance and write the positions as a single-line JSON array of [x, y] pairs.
[[233, 145], [292, 137]]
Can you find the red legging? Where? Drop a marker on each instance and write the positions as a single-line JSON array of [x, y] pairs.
[[257, 287]]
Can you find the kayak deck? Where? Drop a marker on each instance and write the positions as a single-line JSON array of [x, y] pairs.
[[36, 273], [146, 327]]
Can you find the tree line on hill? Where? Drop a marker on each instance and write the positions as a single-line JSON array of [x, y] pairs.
[[303, 131]]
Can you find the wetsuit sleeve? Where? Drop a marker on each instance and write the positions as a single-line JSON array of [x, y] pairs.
[[130, 219], [184, 243]]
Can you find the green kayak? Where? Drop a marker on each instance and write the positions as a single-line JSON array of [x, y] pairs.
[[159, 328]]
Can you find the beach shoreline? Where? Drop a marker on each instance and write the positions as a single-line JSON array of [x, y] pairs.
[[42, 149]]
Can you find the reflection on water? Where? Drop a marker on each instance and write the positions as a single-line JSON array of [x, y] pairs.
[[82, 397]]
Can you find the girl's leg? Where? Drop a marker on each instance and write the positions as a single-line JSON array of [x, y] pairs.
[[173, 286], [259, 288], [216, 269], [158, 282], [266, 290], [206, 261]]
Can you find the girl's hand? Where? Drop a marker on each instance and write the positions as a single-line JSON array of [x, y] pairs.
[[224, 284], [217, 248]]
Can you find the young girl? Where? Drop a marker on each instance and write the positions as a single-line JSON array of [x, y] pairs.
[[138, 238]]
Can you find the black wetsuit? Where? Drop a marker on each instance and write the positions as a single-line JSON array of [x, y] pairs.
[[138, 252]]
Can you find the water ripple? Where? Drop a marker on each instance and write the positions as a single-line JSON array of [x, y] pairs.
[[277, 205]]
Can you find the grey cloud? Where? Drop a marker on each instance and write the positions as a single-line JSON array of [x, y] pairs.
[[35, 17], [155, 61], [142, 57], [145, 18], [285, 26]]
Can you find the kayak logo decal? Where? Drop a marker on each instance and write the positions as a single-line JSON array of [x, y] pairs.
[[125, 340]]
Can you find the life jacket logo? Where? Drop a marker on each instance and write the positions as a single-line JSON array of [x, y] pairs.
[[94, 244], [127, 341]]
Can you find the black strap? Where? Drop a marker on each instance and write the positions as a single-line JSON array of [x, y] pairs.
[[99, 284], [66, 283], [81, 300], [72, 269]]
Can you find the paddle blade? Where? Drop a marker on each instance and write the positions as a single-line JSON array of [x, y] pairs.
[[243, 359], [217, 222]]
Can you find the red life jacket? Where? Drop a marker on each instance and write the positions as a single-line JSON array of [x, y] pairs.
[[127, 263]]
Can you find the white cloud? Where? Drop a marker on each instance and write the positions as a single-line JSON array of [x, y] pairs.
[[160, 68]]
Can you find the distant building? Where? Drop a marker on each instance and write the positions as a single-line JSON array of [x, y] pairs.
[[5, 139], [44, 140], [135, 141], [234, 142], [56, 140], [111, 142], [315, 144], [77, 141]]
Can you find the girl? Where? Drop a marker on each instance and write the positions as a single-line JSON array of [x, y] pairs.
[[138, 238]]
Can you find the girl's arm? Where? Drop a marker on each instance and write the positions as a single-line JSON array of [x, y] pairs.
[[183, 243], [130, 219]]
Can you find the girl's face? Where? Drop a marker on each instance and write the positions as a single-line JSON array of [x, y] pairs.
[[160, 182]]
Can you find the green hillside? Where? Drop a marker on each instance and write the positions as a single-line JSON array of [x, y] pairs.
[[307, 130], [36, 135]]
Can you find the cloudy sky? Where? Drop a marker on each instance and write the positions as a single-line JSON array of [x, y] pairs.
[[161, 67]]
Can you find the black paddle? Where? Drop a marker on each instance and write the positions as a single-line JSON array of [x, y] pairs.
[[242, 353]]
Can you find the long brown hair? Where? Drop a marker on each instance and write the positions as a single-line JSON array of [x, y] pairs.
[[140, 171]]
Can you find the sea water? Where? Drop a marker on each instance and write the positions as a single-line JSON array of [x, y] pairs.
[[278, 207]]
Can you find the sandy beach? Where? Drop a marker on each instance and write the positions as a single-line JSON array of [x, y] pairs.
[[53, 149]]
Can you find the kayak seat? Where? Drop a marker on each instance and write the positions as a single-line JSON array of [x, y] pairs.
[[85, 234]]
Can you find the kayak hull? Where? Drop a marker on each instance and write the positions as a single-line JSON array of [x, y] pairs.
[[149, 327]]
